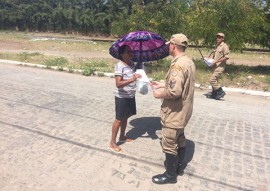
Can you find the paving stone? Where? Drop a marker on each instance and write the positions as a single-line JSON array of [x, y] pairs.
[[55, 128]]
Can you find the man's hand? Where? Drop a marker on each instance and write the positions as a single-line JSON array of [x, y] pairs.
[[158, 89], [158, 93], [156, 85]]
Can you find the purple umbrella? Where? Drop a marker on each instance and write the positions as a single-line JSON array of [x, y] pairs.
[[146, 46]]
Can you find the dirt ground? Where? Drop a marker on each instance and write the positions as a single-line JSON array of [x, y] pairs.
[[7, 46]]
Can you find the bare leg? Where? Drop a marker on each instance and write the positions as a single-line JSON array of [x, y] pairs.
[[115, 128], [123, 129]]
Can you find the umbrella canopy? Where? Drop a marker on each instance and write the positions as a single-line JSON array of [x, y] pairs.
[[146, 46]]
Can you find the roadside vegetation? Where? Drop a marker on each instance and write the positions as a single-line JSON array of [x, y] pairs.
[[241, 76]]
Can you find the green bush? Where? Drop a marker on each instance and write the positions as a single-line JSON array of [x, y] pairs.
[[100, 74], [88, 71]]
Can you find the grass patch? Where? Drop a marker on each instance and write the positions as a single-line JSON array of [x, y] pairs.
[[29, 57], [98, 64], [267, 80], [34, 57], [255, 77], [252, 77], [89, 67], [59, 61]]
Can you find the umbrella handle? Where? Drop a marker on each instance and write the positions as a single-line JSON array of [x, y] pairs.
[[140, 51], [139, 65]]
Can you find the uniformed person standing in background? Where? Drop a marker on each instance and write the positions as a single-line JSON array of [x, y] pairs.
[[220, 54], [177, 93]]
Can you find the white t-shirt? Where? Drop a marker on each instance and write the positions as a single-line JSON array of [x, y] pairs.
[[126, 72]]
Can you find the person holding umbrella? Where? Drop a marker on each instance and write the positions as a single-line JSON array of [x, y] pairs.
[[177, 93], [135, 46], [125, 105]]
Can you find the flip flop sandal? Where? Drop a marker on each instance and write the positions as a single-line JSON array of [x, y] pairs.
[[115, 149], [126, 141]]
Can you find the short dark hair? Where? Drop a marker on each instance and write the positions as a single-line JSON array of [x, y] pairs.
[[121, 50]]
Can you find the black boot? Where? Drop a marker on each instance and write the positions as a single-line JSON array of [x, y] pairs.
[[181, 157], [180, 165], [220, 93], [169, 176], [214, 94]]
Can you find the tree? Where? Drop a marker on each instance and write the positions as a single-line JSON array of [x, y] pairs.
[[241, 21], [158, 16]]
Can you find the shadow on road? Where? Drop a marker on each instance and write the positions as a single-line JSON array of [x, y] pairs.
[[144, 127], [190, 147]]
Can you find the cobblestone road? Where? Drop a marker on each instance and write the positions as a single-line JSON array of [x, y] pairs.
[[55, 128]]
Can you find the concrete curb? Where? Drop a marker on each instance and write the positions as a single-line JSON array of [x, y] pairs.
[[239, 90], [111, 75]]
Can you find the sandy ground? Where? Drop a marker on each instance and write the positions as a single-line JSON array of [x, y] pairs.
[[7, 46]]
